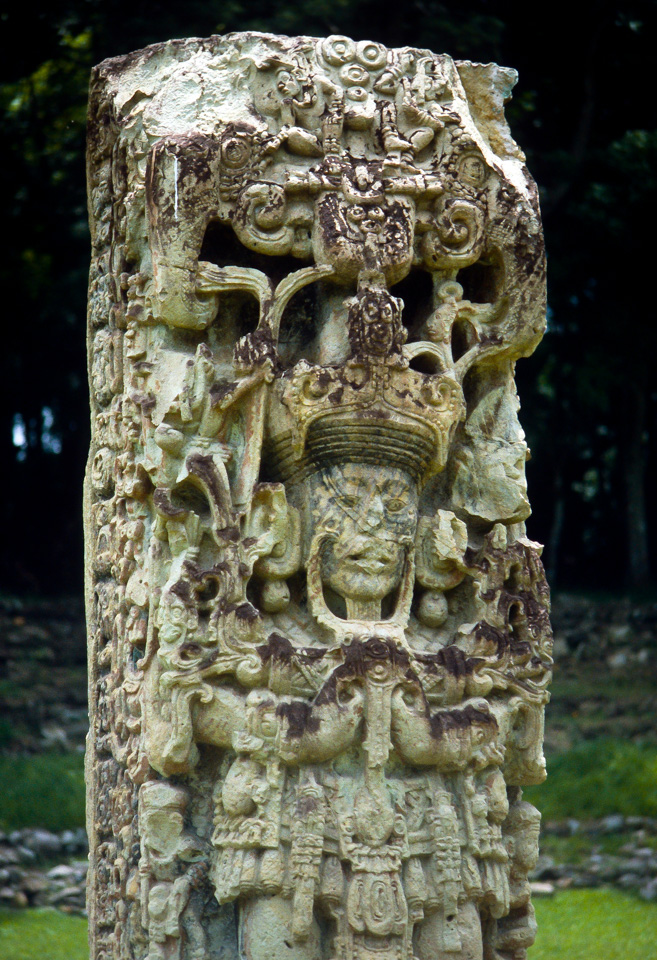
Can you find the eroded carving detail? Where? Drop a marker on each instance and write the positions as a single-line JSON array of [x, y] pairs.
[[319, 636]]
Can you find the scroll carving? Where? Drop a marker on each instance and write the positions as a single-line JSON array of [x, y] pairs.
[[319, 635]]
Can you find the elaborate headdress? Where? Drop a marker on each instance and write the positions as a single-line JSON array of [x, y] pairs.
[[371, 409]]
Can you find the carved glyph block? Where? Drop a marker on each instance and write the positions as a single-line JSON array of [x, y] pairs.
[[319, 643]]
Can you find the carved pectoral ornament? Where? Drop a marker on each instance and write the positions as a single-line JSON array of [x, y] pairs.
[[319, 636]]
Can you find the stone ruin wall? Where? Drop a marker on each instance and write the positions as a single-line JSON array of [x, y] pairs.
[[319, 644]]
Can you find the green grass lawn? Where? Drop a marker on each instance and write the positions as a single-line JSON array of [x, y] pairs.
[[42, 935], [44, 790], [587, 924], [573, 925]]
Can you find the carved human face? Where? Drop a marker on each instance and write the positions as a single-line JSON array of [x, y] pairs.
[[369, 514], [491, 482], [374, 321], [174, 621], [473, 170], [287, 84], [378, 315], [162, 830], [525, 843]]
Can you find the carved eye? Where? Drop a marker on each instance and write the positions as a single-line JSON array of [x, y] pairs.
[[190, 651], [235, 152], [268, 726], [358, 94], [354, 75], [374, 220], [371, 55], [337, 49], [395, 505], [356, 214], [438, 394]]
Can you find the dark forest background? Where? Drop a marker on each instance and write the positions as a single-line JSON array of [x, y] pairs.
[[584, 113]]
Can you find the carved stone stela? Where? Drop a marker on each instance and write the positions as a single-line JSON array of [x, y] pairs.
[[319, 643]]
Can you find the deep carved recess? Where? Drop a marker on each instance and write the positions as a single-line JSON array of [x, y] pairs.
[[319, 641]]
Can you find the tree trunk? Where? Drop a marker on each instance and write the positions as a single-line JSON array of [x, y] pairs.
[[556, 529], [638, 567]]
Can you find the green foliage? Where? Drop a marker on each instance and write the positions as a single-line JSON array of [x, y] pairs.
[[45, 790], [40, 934], [579, 924], [598, 778], [7, 732]]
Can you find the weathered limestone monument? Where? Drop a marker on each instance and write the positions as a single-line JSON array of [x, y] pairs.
[[319, 645]]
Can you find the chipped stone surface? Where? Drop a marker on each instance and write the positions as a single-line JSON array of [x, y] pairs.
[[319, 643]]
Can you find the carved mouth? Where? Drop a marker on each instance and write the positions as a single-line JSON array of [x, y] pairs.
[[371, 560], [371, 567]]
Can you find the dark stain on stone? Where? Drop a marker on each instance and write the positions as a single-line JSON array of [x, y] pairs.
[[443, 722], [360, 657], [203, 467], [451, 659], [199, 574], [192, 648], [182, 590], [255, 348], [279, 649], [298, 714], [220, 390], [247, 612], [164, 505], [231, 534], [307, 805]]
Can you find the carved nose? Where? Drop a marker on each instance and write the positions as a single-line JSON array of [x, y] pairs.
[[374, 513]]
